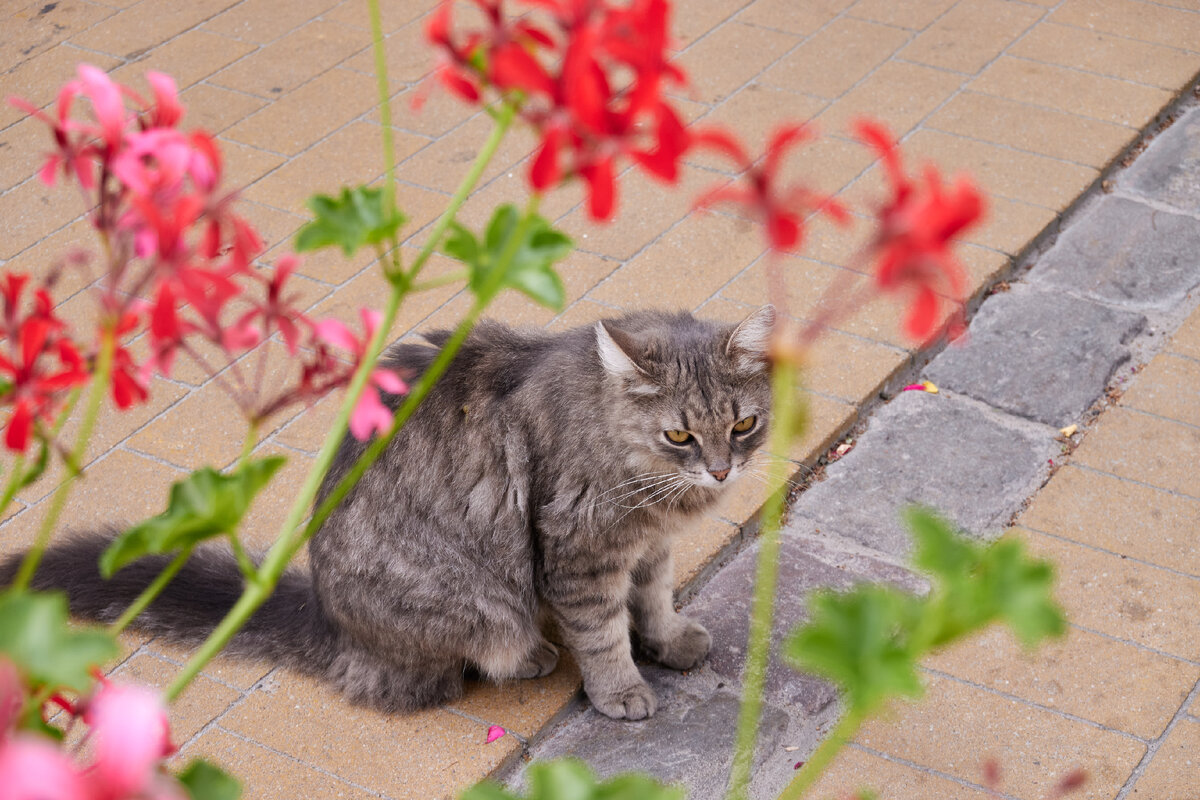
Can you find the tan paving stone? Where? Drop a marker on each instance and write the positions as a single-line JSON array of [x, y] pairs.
[[266, 774], [753, 112], [967, 37], [443, 753], [1144, 449], [187, 436], [188, 59], [262, 522], [214, 109], [685, 267], [393, 15], [1186, 341], [523, 707], [293, 59], [121, 488], [351, 156], [1123, 598], [438, 111], [826, 166], [48, 261], [722, 62], [308, 430], [239, 673], [244, 164], [798, 18], [858, 45], [38, 79], [1010, 225], [288, 124], [855, 770], [898, 94], [1003, 171], [955, 728], [1131, 19], [1040, 130], [1172, 772], [142, 26], [112, 426], [646, 207], [1167, 387], [263, 21], [200, 703], [512, 187], [582, 312], [915, 15], [1090, 676], [1120, 516], [34, 28], [1070, 90], [851, 368], [696, 19], [23, 148], [697, 544], [442, 164], [826, 420], [409, 58], [579, 272], [1113, 55], [33, 211]]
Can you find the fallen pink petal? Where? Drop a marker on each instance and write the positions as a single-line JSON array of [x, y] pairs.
[[923, 386], [494, 733]]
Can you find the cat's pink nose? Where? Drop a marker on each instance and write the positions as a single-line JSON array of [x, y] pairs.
[[719, 474]]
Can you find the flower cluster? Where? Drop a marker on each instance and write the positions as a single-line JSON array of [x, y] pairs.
[[592, 90], [179, 265], [129, 736], [40, 364]]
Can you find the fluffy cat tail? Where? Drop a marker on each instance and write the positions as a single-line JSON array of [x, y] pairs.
[[288, 629]]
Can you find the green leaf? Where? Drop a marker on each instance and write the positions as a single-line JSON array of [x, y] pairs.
[[37, 468], [35, 636], [637, 787], [203, 781], [355, 218], [859, 640], [1021, 590], [205, 504], [487, 791], [564, 779], [530, 269]]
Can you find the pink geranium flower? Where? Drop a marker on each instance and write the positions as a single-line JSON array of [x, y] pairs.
[[370, 415], [129, 724], [35, 769]]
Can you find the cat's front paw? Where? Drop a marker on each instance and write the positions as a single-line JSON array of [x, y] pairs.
[[633, 702], [688, 648]]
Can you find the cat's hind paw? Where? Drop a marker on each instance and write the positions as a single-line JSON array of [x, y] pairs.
[[688, 648], [540, 662]]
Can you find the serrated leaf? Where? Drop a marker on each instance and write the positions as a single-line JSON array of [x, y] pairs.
[[35, 636], [859, 640], [204, 781], [354, 218], [637, 787], [530, 267], [207, 503], [1021, 592]]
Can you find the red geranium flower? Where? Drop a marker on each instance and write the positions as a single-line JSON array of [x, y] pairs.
[[916, 226], [782, 209]]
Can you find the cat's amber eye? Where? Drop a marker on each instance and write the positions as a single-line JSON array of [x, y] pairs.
[[743, 425], [678, 437]]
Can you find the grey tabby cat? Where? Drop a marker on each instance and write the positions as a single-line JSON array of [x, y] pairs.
[[543, 475]]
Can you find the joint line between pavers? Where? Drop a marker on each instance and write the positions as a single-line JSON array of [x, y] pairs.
[[1153, 746], [1122, 556], [486, 723], [1094, 74], [1170, 7], [1133, 480], [1123, 36], [913, 765], [1022, 150], [1154, 203], [149, 647], [1138, 645], [1033, 704]]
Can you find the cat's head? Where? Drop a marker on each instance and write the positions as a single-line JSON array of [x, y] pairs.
[[692, 397]]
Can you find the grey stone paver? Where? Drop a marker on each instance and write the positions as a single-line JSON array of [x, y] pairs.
[[1169, 171], [1045, 356], [971, 463], [1125, 253]]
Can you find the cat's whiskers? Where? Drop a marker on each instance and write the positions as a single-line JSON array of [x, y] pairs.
[[659, 493], [645, 476], [648, 487]]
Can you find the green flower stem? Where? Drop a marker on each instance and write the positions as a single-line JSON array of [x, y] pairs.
[[15, 479], [504, 120], [100, 380], [784, 415], [385, 106], [150, 592], [846, 729], [291, 538], [449, 277]]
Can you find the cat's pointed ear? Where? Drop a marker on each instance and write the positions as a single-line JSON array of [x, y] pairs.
[[750, 342], [618, 352]]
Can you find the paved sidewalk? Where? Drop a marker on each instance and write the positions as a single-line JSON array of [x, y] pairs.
[[1035, 99]]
